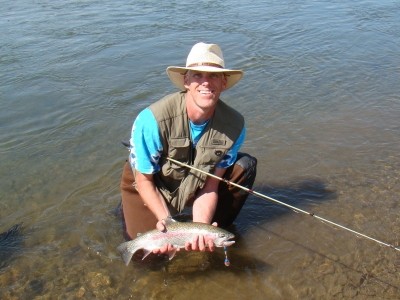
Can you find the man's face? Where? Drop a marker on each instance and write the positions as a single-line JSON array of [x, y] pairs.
[[204, 88]]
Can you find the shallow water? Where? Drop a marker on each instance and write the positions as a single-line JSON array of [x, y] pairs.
[[321, 100]]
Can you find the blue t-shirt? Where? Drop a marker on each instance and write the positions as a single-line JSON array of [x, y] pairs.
[[146, 146]]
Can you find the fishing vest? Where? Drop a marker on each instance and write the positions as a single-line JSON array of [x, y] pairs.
[[179, 184]]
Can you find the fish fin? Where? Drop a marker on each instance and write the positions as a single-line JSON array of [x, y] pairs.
[[169, 220], [172, 253], [146, 253], [125, 253]]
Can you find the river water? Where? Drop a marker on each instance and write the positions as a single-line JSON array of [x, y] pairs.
[[321, 98]]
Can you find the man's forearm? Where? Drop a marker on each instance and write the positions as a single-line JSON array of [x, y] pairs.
[[204, 207], [151, 196], [206, 202]]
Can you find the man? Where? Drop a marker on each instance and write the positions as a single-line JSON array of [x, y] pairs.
[[195, 127]]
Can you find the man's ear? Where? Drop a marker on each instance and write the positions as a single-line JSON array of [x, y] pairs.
[[186, 80], [224, 82]]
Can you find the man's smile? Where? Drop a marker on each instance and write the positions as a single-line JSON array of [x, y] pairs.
[[205, 92]]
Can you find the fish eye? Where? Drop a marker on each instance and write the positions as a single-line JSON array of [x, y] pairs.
[[222, 235]]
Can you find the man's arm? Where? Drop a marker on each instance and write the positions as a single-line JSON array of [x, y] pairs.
[[151, 196], [155, 202], [203, 211], [206, 202]]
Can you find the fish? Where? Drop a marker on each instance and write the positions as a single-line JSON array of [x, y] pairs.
[[176, 234]]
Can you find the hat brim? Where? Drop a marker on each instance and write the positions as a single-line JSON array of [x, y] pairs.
[[176, 75]]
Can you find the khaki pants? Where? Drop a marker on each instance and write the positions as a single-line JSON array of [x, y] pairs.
[[138, 218]]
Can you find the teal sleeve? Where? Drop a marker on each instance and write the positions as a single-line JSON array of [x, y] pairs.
[[146, 146], [230, 158]]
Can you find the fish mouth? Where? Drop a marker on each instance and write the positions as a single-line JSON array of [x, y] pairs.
[[227, 243]]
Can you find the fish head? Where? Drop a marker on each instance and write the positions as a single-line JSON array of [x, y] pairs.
[[224, 239]]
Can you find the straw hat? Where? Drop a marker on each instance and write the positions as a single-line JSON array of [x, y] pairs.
[[205, 58]]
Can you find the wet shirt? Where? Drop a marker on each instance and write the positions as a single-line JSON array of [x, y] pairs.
[[146, 146]]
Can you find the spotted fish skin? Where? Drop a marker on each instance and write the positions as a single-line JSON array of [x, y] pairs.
[[176, 234]]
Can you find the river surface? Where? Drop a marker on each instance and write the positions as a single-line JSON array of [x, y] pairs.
[[321, 98]]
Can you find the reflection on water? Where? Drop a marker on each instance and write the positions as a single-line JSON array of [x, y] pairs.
[[321, 100]]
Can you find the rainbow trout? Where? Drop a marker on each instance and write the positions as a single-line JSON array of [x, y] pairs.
[[177, 234]]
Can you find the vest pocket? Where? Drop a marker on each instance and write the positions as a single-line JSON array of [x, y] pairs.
[[173, 173], [212, 154], [179, 148]]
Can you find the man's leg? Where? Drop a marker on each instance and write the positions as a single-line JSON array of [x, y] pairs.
[[136, 216], [231, 198]]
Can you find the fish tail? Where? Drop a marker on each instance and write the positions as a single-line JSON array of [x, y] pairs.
[[125, 253]]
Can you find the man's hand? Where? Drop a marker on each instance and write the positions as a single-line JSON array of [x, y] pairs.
[[162, 225], [168, 248], [201, 243]]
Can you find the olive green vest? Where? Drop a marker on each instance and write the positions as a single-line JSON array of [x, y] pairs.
[[179, 184]]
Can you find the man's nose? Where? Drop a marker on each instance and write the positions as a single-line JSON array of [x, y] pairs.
[[205, 79]]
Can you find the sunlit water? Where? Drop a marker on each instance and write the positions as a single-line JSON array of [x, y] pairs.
[[321, 99]]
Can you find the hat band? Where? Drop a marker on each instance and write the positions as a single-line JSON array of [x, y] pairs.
[[204, 64]]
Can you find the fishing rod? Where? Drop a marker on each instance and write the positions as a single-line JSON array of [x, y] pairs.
[[250, 191]]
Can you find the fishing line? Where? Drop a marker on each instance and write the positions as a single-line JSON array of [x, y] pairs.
[[250, 191]]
